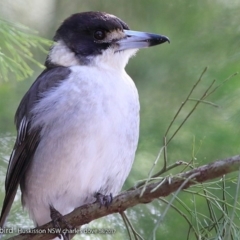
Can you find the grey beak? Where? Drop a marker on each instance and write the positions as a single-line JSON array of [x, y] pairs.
[[136, 40]]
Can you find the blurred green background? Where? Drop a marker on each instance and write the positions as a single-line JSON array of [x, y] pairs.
[[202, 33]]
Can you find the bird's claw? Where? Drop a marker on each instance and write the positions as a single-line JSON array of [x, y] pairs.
[[104, 200], [57, 218]]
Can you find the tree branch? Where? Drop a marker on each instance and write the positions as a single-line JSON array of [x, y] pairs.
[[128, 199]]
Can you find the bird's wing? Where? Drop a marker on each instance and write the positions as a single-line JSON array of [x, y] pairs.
[[27, 138]]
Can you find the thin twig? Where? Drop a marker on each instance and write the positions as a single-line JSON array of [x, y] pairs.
[[182, 214], [135, 233], [231, 76], [192, 176], [156, 175], [203, 101], [151, 171], [228, 234], [164, 154], [190, 113], [125, 223], [185, 101]]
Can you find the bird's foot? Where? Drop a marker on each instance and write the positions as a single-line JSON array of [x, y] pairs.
[[104, 200], [57, 218]]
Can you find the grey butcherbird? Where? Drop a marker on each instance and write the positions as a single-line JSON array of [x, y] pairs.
[[78, 124]]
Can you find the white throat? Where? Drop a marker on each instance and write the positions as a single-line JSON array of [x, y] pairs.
[[61, 55]]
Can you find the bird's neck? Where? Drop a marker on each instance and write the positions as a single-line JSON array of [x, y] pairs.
[[61, 55]]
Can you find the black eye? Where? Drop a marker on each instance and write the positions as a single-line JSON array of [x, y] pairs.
[[99, 35]]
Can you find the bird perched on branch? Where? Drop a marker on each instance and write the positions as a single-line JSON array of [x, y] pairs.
[[78, 124]]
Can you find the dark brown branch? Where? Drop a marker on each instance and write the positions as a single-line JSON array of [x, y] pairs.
[[125, 200]]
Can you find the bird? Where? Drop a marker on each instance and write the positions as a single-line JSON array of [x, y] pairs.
[[78, 124]]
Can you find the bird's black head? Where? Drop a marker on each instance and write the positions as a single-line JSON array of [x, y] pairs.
[[89, 33], [83, 36]]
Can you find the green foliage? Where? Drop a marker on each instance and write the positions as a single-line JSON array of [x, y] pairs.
[[15, 49]]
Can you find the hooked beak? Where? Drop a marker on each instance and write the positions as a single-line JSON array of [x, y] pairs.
[[136, 40]]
